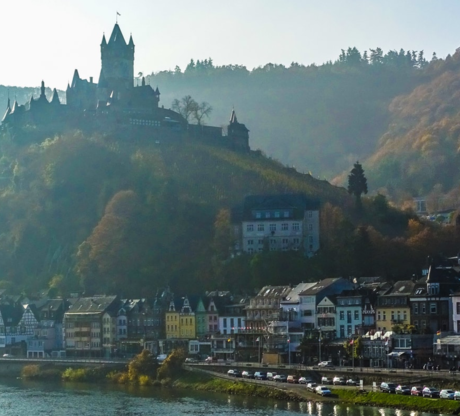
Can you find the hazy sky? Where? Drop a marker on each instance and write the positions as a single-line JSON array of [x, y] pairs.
[[48, 39]]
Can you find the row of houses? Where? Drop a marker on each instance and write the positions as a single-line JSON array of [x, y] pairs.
[[389, 317]]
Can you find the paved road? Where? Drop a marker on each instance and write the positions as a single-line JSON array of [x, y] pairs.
[[356, 371]]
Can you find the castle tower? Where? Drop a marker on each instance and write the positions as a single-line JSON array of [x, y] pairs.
[[117, 61]]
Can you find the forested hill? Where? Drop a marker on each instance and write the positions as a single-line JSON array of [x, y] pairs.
[[320, 119], [126, 217], [419, 152]]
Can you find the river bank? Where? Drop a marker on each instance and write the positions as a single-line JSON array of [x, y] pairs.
[[204, 382]]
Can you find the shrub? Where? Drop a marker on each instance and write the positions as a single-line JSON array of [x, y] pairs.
[[30, 371]]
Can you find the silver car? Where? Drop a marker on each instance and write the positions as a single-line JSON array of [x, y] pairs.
[[447, 394]]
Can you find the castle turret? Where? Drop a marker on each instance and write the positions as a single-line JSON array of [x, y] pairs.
[[238, 134], [118, 60], [55, 100]]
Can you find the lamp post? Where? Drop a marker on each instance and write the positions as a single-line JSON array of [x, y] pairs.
[[319, 345]]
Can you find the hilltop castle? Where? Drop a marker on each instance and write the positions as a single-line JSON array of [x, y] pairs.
[[115, 105]]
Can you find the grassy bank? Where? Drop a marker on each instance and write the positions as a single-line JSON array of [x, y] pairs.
[[204, 382], [398, 401]]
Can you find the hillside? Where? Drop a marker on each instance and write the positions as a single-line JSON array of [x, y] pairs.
[[146, 211], [89, 212], [419, 152], [320, 119]]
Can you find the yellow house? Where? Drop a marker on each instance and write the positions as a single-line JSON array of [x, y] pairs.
[[180, 323], [172, 322], [393, 307], [187, 321]]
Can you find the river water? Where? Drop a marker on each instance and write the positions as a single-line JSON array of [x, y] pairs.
[[18, 397]]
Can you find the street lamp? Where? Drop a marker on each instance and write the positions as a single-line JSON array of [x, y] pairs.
[[319, 344]]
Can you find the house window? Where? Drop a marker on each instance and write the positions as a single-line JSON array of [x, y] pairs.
[[261, 242], [349, 330], [277, 214], [267, 215], [433, 308], [422, 308], [310, 214], [272, 227], [349, 317], [415, 308], [295, 226], [250, 242], [260, 227], [224, 322], [416, 324], [249, 227], [384, 316], [284, 227], [379, 317], [342, 315], [342, 331], [286, 214], [356, 315], [310, 239], [258, 214], [310, 227]]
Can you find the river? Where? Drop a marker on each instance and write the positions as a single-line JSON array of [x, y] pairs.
[[19, 397]]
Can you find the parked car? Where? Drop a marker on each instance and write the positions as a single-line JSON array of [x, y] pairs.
[[293, 379], [416, 391], [209, 360], [401, 389], [457, 395], [8, 355], [191, 360], [338, 381], [234, 373], [280, 378], [323, 391], [351, 382], [387, 387], [325, 364], [260, 375], [430, 392], [247, 374], [325, 380], [305, 380], [311, 386], [447, 394], [271, 375]]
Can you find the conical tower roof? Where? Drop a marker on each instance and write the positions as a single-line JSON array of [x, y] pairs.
[[55, 98], [116, 38]]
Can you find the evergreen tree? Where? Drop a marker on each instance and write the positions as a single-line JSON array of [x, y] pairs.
[[357, 182]]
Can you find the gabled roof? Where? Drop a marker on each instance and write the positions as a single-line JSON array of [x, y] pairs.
[[401, 288], [94, 304], [319, 286], [293, 295], [274, 291]]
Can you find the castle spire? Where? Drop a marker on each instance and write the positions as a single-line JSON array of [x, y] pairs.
[[104, 42], [131, 42], [42, 90], [233, 118], [116, 38], [75, 79], [55, 99]]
